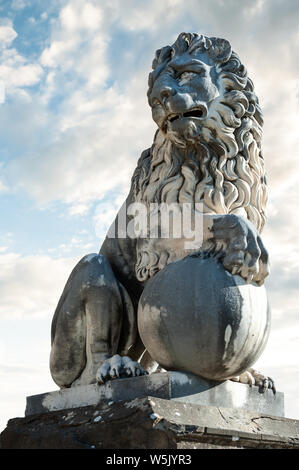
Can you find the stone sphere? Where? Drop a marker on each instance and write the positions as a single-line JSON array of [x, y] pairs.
[[197, 317]]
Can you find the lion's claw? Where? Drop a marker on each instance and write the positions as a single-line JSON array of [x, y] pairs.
[[118, 367], [253, 377], [263, 382]]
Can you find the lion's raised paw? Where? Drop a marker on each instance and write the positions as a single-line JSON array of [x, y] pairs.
[[119, 367]]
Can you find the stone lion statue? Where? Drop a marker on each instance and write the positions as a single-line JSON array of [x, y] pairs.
[[207, 150]]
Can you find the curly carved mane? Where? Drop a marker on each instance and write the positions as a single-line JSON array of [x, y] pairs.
[[223, 166]]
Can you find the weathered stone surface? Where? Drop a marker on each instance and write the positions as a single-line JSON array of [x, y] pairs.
[[177, 386], [150, 423], [208, 151]]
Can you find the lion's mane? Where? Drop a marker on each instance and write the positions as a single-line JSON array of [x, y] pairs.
[[223, 167]]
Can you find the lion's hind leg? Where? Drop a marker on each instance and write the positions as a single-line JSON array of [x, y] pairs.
[[68, 357], [87, 324]]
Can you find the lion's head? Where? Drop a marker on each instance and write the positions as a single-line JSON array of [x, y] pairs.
[[208, 145]]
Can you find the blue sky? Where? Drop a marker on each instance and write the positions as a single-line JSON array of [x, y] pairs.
[[72, 126]]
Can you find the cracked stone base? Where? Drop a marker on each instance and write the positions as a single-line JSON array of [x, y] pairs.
[[150, 423]]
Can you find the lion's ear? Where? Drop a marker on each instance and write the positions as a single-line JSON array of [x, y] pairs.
[[220, 49], [161, 56]]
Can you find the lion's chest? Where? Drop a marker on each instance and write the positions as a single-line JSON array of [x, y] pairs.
[[154, 254]]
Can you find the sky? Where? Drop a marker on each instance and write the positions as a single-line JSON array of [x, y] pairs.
[[74, 119]]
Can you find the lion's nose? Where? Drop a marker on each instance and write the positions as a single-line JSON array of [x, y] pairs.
[[166, 92]]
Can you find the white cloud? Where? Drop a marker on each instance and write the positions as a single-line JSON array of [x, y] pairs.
[[44, 16], [78, 209], [20, 76], [76, 16], [54, 55], [78, 42], [16, 71], [149, 14], [95, 130], [77, 244], [31, 285], [7, 35], [86, 137], [19, 4]]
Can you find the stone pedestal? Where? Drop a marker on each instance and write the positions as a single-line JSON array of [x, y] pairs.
[[150, 423], [169, 410], [178, 386]]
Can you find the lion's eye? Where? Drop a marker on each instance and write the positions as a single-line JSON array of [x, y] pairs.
[[155, 102], [170, 70], [186, 77]]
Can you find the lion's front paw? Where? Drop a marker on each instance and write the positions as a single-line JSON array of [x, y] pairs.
[[253, 377], [262, 381], [244, 252], [119, 367]]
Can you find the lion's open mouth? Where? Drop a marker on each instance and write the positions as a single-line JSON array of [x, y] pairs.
[[195, 113]]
